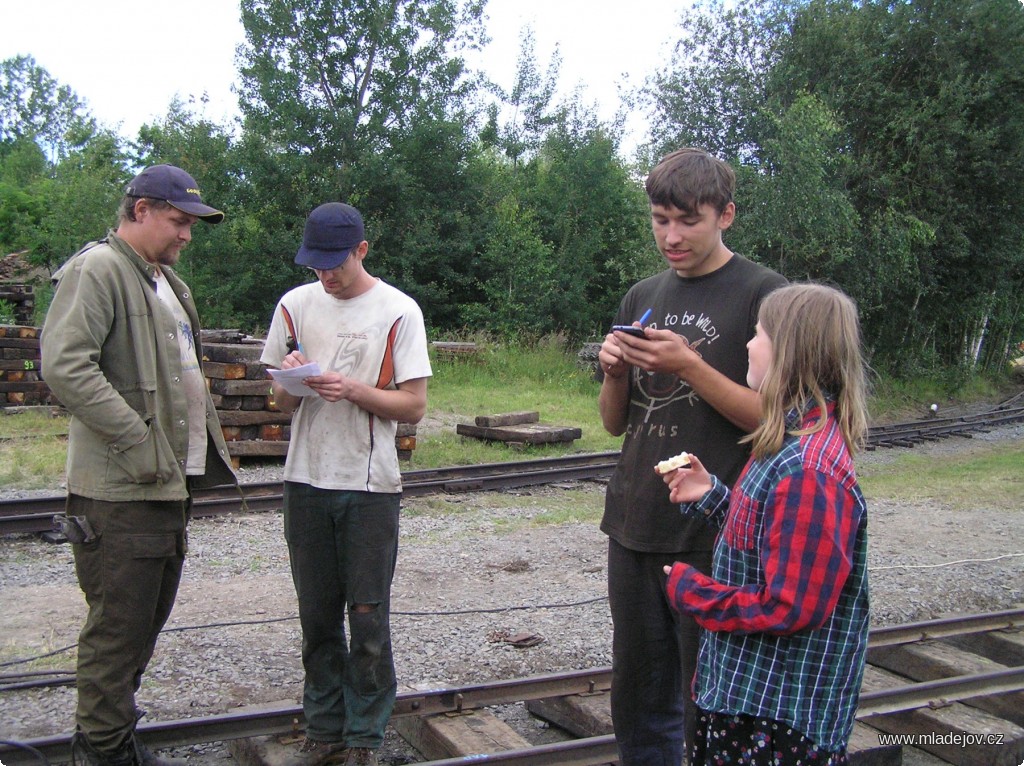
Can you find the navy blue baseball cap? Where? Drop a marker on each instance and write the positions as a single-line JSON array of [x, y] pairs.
[[332, 230], [175, 187]]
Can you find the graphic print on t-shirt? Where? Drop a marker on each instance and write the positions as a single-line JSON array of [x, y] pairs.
[[654, 390]]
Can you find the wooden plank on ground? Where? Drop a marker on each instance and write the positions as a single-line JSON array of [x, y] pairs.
[[233, 352], [931, 660], [221, 336], [458, 735], [8, 352], [947, 727], [19, 364], [9, 342], [506, 419], [865, 749], [1003, 646], [583, 715], [529, 433], [37, 386], [18, 331], [240, 387]]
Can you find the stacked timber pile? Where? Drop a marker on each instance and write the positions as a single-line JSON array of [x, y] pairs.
[[21, 383], [239, 384], [22, 298], [517, 429], [253, 425]]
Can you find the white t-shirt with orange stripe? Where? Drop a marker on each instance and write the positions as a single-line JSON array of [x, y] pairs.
[[378, 338]]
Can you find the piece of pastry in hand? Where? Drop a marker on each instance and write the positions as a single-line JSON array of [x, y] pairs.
[[682, 460]]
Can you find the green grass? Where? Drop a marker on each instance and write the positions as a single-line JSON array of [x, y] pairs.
[[543, 377], [33, 448], [983, 476], [894, 400]]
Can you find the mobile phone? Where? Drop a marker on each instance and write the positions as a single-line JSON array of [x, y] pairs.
[[629, 329]]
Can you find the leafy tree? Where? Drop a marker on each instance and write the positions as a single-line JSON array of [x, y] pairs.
[[79, 201], [794, 209], [879, 146], [931, 94], [240, 267], [34, 105], [527, 106], [426, 204], [595, 218], [22, 166], [715, 94], [329, 80]]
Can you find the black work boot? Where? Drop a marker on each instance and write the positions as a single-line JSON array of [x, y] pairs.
[[84, 754]]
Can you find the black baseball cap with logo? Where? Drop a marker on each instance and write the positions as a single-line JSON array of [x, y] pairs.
[[175, 187]]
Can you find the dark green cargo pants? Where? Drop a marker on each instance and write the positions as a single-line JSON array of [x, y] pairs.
[[130, 577]]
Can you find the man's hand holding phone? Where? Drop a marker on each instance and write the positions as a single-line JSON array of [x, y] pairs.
[[629, 329]]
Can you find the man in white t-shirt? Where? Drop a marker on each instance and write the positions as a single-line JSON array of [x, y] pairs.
[[342, 481]]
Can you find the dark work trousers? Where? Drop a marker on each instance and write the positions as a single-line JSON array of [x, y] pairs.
[[343, 546], [654, 656], [130, 577]]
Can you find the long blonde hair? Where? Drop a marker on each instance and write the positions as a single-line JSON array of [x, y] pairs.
[[816, 354]]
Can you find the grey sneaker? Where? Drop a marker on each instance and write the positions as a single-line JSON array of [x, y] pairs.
[[361, 756], [313, 752]]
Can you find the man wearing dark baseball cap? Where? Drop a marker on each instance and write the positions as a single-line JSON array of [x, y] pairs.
[[342, 480], [176, 187], [331, 232], [121, 349]]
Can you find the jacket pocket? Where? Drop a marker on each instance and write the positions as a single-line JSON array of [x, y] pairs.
[[151, 461]]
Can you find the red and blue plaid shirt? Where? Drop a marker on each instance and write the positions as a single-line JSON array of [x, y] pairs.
[[785, 610]]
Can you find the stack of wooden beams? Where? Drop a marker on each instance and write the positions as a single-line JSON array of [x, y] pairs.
[[239, 384], [253, 426], [22, 298], [21, 383]]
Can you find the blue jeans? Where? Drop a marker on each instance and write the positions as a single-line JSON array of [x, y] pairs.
[[654, 657], [343, 546]]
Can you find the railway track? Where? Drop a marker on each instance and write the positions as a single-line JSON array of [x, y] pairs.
[[955, 678], [28, 515]]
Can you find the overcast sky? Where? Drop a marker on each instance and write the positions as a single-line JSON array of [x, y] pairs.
[[127, 60]]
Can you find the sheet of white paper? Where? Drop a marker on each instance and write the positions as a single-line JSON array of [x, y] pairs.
[[292, 378]]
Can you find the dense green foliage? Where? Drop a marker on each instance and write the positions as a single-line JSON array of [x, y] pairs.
[[878, 145]]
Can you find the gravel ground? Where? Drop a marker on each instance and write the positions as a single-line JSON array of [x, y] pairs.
[[473, 570]]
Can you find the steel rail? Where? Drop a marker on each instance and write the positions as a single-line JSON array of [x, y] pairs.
[[28, 515], [289, 719], [35, 514], [928, 630], [592, 750], [939, 693]]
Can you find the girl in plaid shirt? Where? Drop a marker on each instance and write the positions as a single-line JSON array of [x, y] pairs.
[[785, 610]]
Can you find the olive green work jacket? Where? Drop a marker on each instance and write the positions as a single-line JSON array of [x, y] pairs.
[[110, 353]]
